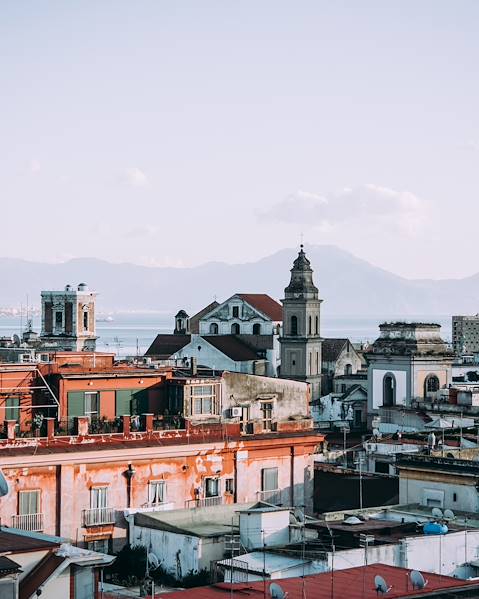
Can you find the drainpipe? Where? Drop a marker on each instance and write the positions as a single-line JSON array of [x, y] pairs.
[[129, 474], [291, 482]]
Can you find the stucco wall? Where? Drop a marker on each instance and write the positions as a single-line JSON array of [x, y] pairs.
[[415, 491]]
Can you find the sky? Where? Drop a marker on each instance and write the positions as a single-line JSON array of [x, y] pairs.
[[180, 132]]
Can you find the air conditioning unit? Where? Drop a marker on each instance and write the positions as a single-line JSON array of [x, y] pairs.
[[235, 412]]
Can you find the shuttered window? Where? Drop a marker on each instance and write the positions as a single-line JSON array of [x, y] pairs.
[[12, 408], [123, 402], [76, 404], [269, 479], [28, 502], [156, 492]]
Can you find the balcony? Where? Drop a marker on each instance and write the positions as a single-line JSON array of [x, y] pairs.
[[28, 522], [205, 502], [98, 516], [273, 497]]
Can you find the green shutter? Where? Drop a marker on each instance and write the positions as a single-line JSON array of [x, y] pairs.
[[123, 402], [140, 402], [76, 404], [12, 409]]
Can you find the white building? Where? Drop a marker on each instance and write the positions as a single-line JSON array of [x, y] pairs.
[[68, 319]]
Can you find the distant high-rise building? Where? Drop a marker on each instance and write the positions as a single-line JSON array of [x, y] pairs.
[[465, 334], [301, 340], [68, 319]]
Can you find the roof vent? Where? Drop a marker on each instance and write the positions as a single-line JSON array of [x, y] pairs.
[[352, 520]]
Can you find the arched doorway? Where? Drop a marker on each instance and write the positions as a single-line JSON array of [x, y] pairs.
[[389, 390]]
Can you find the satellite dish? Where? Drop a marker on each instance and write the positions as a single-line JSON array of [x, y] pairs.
[[276, 591], [381, 585], [4, 488], [449, 514], [153, 561], [437, 513], [417, 579], [16, 340]]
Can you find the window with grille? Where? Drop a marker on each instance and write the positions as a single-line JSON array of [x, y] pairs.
[[269, 479], [212, 487], [28, 502], [230, 486], [267, 415], [156, 492]]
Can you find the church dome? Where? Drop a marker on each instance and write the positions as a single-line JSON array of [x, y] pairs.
[[301, 283]]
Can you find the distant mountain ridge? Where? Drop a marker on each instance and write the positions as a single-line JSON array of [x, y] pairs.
[[348, 285]]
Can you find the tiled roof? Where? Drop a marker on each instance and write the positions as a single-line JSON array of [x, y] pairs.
[[265, 304], [195, 320], [257, 342], [331, 349], [352, 583], [232, 347], [165, 346]]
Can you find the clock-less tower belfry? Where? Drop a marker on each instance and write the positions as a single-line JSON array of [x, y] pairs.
[[301, 340]]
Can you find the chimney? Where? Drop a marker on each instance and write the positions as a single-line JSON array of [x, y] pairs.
[[193, 366]]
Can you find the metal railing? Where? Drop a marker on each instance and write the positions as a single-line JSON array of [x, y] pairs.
[[205, 502], [28, 522], [273, 497], [98, 516], [165, 423]]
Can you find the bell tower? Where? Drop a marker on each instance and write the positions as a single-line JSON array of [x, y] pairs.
[[301, 340]]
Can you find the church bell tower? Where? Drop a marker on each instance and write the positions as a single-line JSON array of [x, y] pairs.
[[301, 340]]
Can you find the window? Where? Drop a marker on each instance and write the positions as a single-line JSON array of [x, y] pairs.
[[294, 325], [91, 404], [100, 545], [316, 325], [235, 329], [431, 385], [310, 359], [203, 399], [156, 492], [267, 415], [317, 362], [454, 496], [244, 418], [98, 497], [212, 487], [389, 390], [58, 320], [213, 328], [12, 408], [269, 479], [28, 502], [235, 311], [230, 486], [256, 329], [85, 321], [348, 370]]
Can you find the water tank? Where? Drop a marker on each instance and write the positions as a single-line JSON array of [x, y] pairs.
[[82, 287], [435, 528]]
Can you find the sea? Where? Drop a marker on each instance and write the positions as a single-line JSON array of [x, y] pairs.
[[130, 334]]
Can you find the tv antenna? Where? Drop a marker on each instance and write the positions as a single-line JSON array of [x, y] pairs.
[[276, 591], [381, 585], [437, 513], [417, 579]]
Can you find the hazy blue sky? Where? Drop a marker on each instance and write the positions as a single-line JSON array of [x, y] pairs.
[[180, 132]]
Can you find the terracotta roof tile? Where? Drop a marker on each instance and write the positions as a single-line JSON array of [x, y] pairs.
[[265, 304]]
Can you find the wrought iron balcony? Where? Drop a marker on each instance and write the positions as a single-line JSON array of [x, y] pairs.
[[98, 516], [28, 522]]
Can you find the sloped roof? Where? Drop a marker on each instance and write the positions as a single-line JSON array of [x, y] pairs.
[[165, 346], [18, 541], [257, 342], [232, 346], [331, 348], [195, 319], [8, 566], [40, 573], [265, 304]]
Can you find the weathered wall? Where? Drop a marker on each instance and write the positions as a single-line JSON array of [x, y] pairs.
[[415, 490]]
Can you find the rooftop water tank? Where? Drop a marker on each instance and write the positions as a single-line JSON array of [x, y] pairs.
[[435, 528]]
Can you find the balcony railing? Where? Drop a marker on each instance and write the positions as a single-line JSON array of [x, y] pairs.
[[98, 516], [28, 522], [273, 497], [205, 502]]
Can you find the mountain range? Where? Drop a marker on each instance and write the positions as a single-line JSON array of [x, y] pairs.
[[348, 285]]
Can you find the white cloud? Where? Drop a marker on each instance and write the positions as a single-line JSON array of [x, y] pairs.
[[135, 177], [34, 166], [364, 205]]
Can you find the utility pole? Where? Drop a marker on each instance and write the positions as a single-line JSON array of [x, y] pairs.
[[359, 463]]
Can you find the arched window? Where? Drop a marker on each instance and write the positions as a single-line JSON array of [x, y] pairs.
[[316, 325], [294, 325], [213, 328], [389, 390], [310, 326], [431, 385], [257, 329], [348, 369], [235, 329]]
